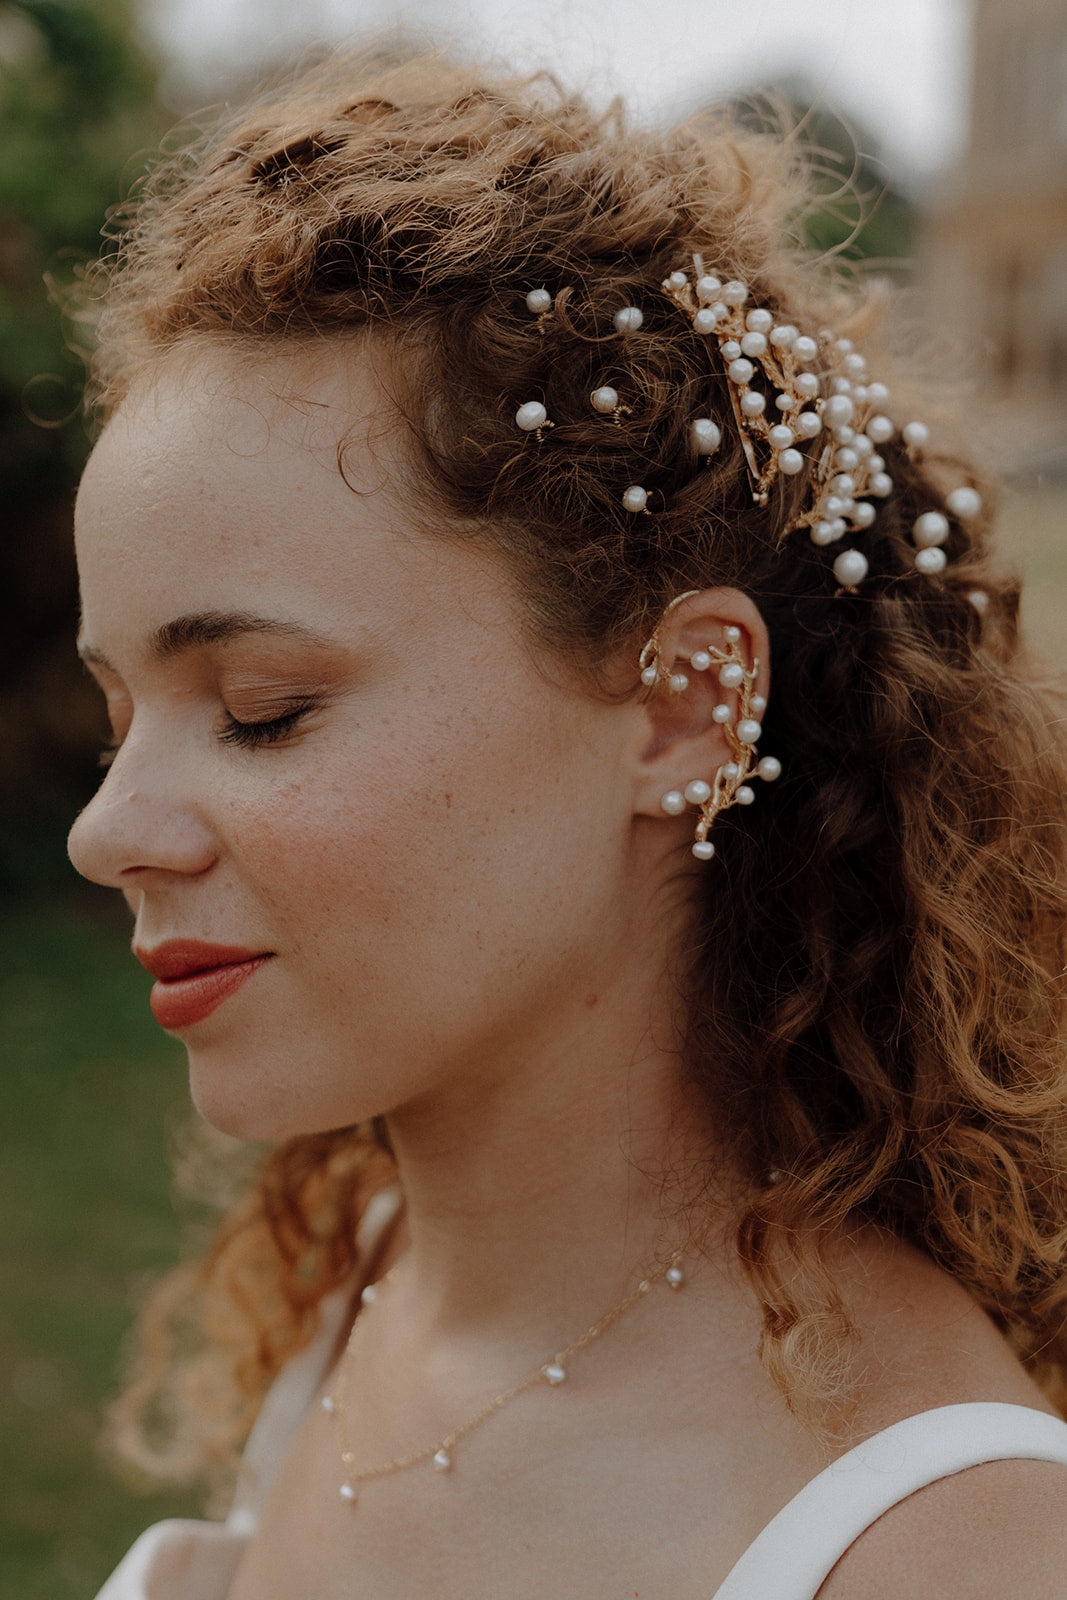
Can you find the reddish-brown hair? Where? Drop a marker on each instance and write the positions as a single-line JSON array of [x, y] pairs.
[[875, 988]]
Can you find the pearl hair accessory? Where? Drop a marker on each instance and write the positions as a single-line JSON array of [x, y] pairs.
[[838, 405], [731, 785], [553, 1372]]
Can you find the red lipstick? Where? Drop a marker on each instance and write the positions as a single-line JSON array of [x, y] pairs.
[[193, 978]]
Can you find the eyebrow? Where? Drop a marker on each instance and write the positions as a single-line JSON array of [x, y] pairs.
[[202, 628]]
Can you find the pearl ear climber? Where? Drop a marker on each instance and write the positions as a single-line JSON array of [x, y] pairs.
[[731, 784]]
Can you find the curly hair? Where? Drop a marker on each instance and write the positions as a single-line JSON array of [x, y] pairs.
[[875, 991]]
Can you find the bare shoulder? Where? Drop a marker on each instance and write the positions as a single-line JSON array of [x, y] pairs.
[[995, 1530]]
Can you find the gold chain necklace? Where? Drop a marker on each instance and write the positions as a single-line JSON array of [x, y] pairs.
[[551, 1372]]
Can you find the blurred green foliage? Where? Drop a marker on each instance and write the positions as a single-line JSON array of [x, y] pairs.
[[77, 96], [88, 1089]]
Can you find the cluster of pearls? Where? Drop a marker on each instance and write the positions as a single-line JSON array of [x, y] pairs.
[[731, 785], [839, 405], [782, 407]]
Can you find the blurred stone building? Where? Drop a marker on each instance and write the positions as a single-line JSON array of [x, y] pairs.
[[993, 259]]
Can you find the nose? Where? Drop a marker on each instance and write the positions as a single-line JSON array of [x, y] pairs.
[[139, 822]]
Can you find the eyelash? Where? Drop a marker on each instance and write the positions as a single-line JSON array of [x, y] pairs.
[[254, 735], [245, 735]]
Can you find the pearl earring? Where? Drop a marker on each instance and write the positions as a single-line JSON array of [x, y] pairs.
[[730, 785]]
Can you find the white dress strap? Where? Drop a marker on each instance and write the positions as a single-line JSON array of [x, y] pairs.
[[792, 1557]]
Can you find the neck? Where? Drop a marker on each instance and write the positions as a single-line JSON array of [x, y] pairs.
[[538, 1191]]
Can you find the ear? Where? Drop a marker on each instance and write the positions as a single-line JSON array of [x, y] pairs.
[[684, 737]]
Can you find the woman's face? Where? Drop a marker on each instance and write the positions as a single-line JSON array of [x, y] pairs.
[[335, 753]]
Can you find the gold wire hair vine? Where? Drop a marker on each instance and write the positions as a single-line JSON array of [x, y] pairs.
[[731, 784]]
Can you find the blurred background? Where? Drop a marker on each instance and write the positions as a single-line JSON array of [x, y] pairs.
[[949, 120]]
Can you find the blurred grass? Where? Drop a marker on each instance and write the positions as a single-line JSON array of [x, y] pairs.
[[88, 1087]]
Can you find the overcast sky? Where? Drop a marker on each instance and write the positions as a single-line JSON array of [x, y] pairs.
[[898, 66]]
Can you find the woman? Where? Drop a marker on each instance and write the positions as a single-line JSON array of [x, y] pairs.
[[583, 801]]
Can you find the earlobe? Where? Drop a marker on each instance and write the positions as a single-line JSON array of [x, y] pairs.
[[705, 677]]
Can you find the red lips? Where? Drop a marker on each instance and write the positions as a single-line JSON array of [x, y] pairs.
[[193, 978]]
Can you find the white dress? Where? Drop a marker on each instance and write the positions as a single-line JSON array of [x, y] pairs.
[[790, 1559]]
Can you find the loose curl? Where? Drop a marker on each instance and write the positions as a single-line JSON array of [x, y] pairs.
[[875, 989]]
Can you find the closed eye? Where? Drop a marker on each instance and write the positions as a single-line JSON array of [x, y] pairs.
[[253, 735]]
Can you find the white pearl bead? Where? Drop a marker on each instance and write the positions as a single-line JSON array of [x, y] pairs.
[[707, 287], [759, 322], [840, 386], [930, 560], [855, 366], [677, 683], [915, 434], [554, 1372], [347, 1492], [842, 346], [844, 434], [703, 849], [753, 404], [822, 532], [629, 319], [877, 394], [754, 344], [675, 1277], [780, 437], [769, 768], [707, 436], [442, 1461], [850, 568], [649, 676], [700, 661], [791, 462], [635, 498], [930, 529], [538, 300], [697, 792], [979, 600], [786, 402], [806, 385], [707, 317], [864, 514], [730, 772], [880, 484], [531, 415], [605, 399], [964, 502], [861, 446], [677, 280], [745, 795], [839, 525], [721, 714], [730, 351], [328, 1404], [673, 802], [805, 349], [879, 429], [732, 635], [740, 371], [833, 505], [368, 1294], [838, 410], [735, 293], [875, 463], [808, 424], [843, 483], [861, 394], [784, 336], [758, 704], [846, 459], [748, 730]]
